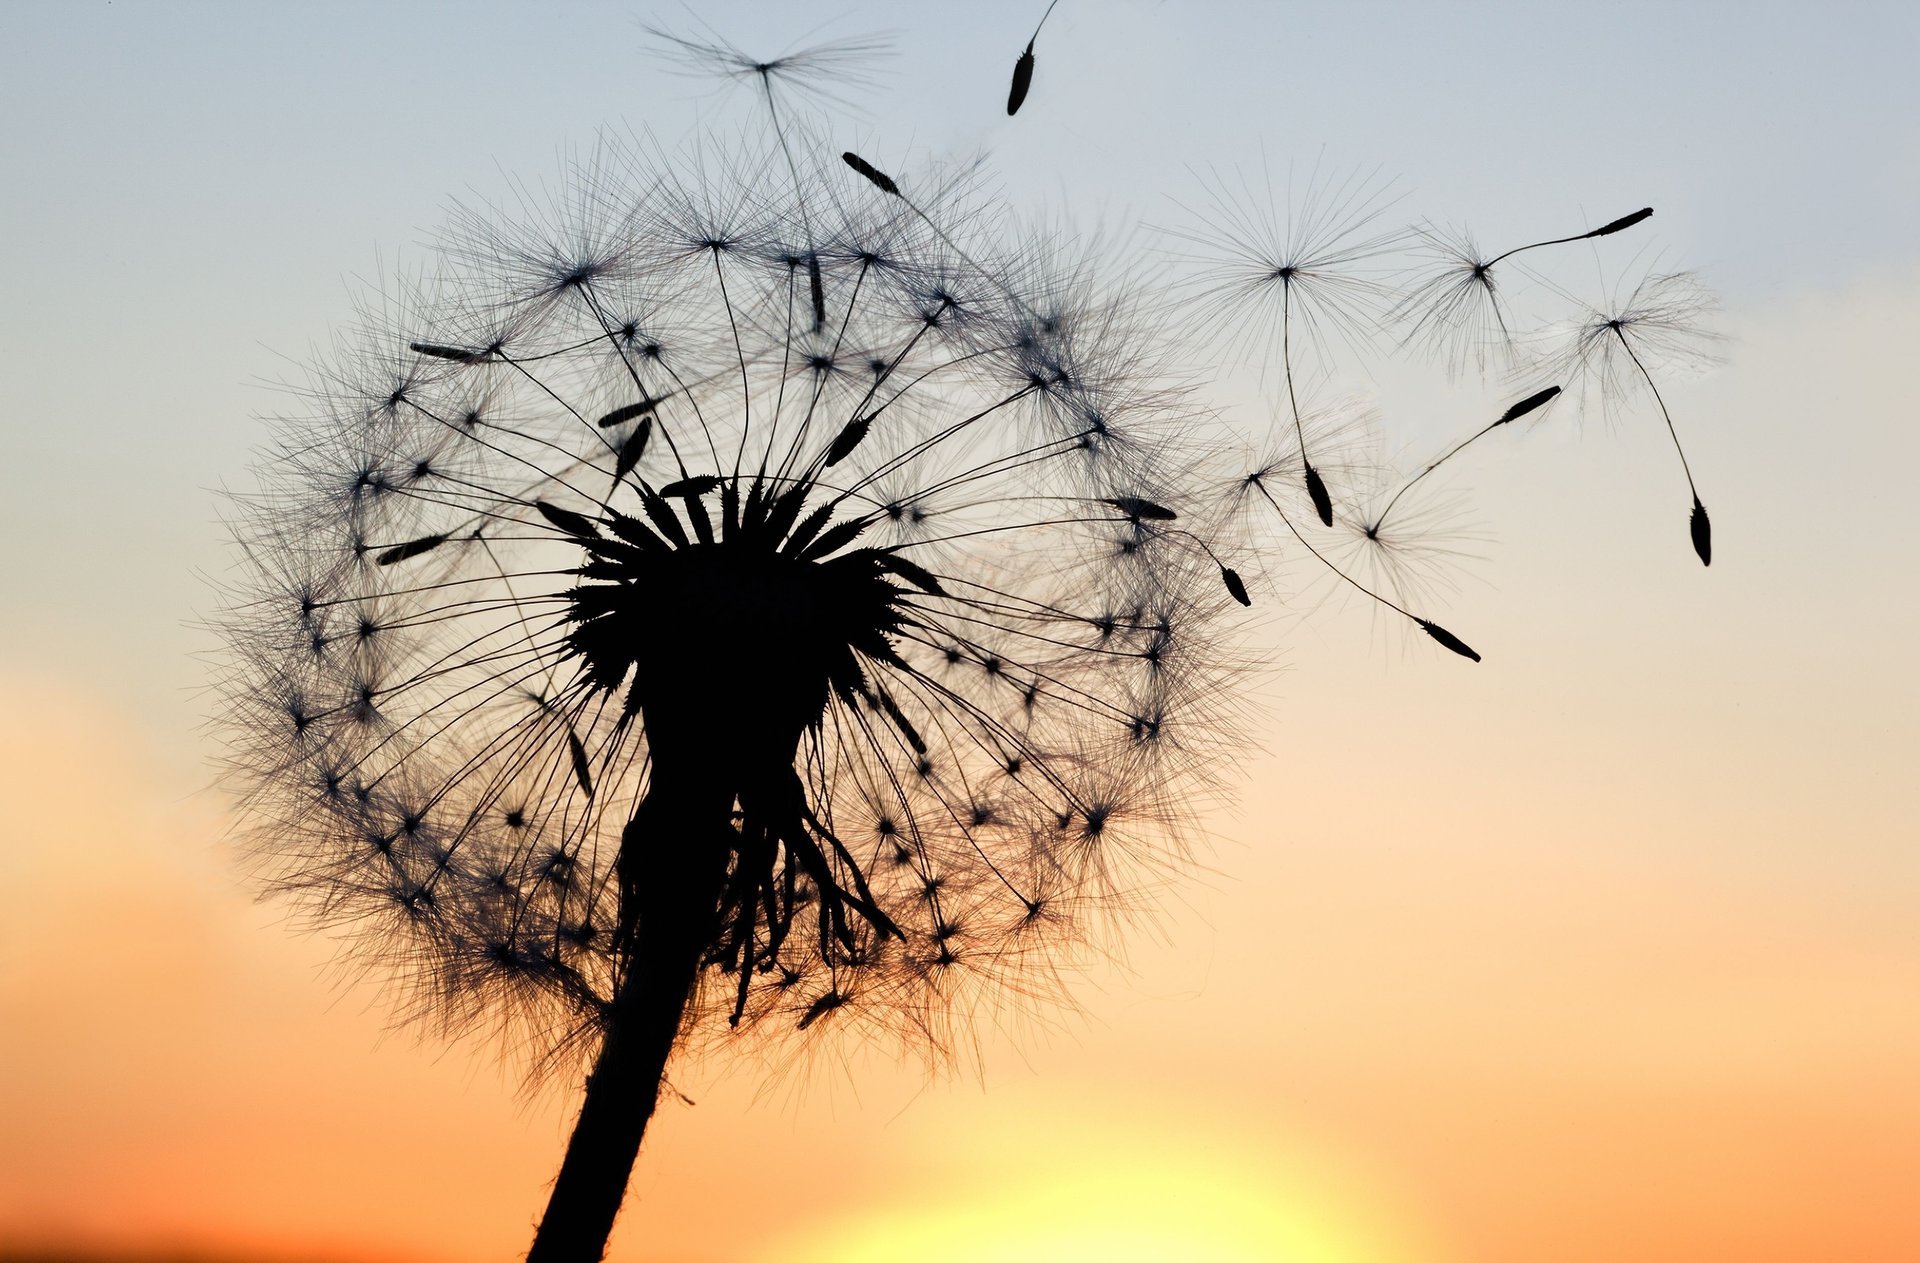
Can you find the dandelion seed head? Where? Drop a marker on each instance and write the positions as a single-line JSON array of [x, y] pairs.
[[594, 515]]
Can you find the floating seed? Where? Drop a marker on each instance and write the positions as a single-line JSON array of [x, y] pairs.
[[1022, 80], [1624, 222], [1534, 401], [1702, 532], [1234, 585], [878, 178], [1448, 639], [1322, 502]]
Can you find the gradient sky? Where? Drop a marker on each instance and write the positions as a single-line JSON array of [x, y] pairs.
[[1608, 948]]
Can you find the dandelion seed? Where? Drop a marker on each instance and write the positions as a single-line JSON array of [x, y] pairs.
[[1609, 352], [878, 179], [1235, 585], [1023, 68], [1532, 403], [1458, 307], [1440, 634], [1314, 260]]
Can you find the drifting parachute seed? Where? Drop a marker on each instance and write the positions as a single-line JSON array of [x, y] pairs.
[[1702, 531]]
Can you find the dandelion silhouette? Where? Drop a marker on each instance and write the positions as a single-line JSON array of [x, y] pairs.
[[752, 596], [1610, 348], [742, 603], [1458, 308]]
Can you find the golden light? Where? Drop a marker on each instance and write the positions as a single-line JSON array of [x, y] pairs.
[[1119, 1194]]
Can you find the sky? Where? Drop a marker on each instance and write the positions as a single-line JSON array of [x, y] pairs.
[[1604, 948]]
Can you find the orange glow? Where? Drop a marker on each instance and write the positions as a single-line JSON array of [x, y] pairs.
[[1118, 1185]]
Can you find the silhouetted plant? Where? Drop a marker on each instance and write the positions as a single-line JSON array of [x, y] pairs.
[[761, 596], [744, 601]]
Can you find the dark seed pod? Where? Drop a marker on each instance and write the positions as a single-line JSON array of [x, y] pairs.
[[918, 575], [1702, 532], [848, 439], [818, 290], [567, 520], [1022, 80], [880, 180], [1322, 502], [1234, 585], [661, 514], [835, 538], [690, 488], [581, 771], [900, 722], [1448, 639], [412, 548], [633, 449], [627, 413], [1624, 222], [1142, 510], [819, 1009], [1534, 401], [458, 354]]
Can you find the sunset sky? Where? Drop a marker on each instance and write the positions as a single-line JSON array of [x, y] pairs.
[[1607, 948]]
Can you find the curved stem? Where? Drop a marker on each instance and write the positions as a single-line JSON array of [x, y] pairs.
[[1286, 362], [670, 920], [1043, 22], [1408, 486], [1667, 416]]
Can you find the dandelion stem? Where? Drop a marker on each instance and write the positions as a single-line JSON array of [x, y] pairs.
[[1613, 226], [1316, 488], [1698, 526], [642, 1022]]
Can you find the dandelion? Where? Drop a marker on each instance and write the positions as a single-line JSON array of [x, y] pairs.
[[1312, 257], [738, 604], [1610, 349], [1257, 483], [1458, 307]]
